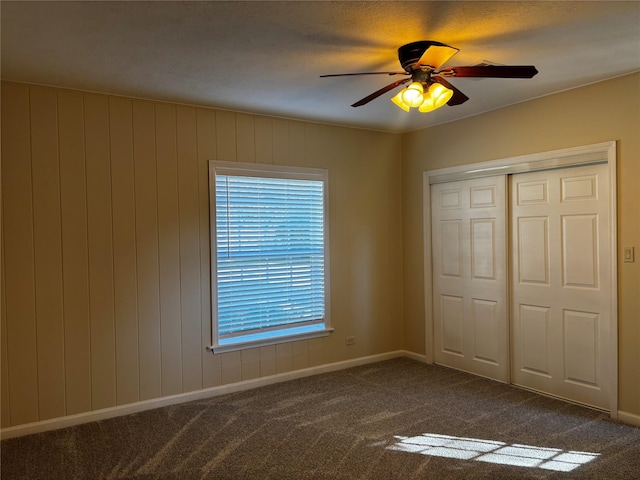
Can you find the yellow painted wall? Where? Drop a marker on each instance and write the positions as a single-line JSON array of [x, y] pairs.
[[597, 113], [105, 254]]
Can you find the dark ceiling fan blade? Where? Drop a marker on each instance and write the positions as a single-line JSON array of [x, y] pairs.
[[493, 71], [382, 91], [457, 98], [362, 73]]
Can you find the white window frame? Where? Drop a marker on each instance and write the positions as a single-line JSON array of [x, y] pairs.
[[269, 171]]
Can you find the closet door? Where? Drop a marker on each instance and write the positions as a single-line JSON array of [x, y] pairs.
[[469, 291], [561, 282]]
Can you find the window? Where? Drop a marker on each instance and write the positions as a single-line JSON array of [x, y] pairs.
[[269, 254]]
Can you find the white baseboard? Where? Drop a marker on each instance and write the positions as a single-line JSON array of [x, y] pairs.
[[414, 356], [93, 416], [629, 418], [86, 417]]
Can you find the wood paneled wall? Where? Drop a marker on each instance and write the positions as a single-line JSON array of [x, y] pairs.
[[105, 251]]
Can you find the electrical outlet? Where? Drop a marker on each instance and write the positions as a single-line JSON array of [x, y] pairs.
[[348, 341]]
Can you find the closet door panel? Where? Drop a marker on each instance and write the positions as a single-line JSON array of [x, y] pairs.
[[470, 276], [561, 282]]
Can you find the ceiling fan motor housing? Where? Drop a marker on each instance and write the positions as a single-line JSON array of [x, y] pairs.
[[411, 53]]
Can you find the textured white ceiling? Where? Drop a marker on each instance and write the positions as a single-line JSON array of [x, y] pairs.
[[266, 57]]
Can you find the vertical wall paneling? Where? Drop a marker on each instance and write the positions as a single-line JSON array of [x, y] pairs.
[[264, 140], [47, 238], [323, 151], [297, 154], [206, 133], [18, 260], [332, 158], [124, 250], [315, 352], [106, 287], [169, 249], [225, 136], [300, 352], [363, 229], [340, 232], [250, 359], [75, 255], [231, 366], [189, 249], [313, 149], [280, 142], [392, 259], [148, 277], [284, 357], [245, 139], [268, 360], [100, 237], [5, 410]]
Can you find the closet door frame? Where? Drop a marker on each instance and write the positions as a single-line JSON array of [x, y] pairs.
[[583, 155]]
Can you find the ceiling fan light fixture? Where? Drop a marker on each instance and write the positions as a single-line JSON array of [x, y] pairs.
[[410, 97], [437, 96], [400, 103], [413, 95]]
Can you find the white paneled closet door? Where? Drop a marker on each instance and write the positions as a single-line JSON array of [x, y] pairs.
[[470, 312], [561, 282]]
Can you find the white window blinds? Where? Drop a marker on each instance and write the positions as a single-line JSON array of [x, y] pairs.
[[270, 256]]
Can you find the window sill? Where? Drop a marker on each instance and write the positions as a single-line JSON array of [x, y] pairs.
[[263, 342]]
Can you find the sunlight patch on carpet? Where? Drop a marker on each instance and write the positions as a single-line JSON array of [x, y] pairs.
[[493, 452]]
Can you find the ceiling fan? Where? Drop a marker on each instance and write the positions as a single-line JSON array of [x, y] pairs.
[[429, 88]]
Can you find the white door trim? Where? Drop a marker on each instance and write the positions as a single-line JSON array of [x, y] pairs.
[[582, 155]]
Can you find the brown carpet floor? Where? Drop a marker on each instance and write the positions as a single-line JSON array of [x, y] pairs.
[[397, 419]]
